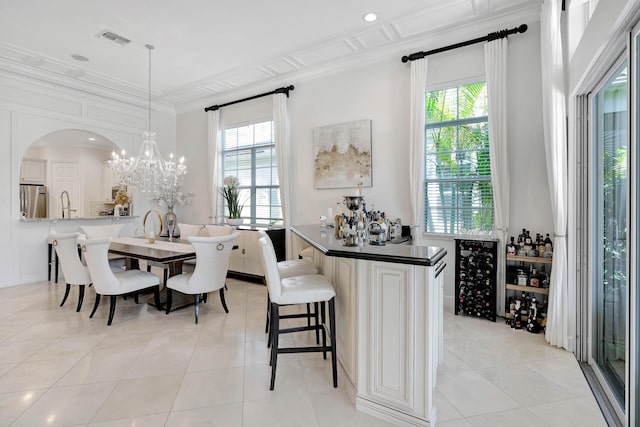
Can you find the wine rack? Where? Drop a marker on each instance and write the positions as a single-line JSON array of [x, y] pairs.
[[476, 277]]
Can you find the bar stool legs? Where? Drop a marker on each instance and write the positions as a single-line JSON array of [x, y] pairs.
[[275, 331]]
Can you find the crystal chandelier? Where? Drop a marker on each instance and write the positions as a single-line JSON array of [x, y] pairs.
[[148, 172]]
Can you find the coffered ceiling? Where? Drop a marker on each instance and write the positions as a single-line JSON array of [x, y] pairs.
[[211, 50]]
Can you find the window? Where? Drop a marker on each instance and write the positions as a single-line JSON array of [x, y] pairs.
[[458, 192], [248, 153]]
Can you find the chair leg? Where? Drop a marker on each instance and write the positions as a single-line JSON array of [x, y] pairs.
[[315, 316], [49, 250], [205, 297], [275, 332], [66, 294], [309, 314], [224, 303], [165, 275], [332, 325], [80, 297], [95, 306], [135, 298], [266, 326], [169, 300], [324, 331], [156, 297], [196, 298], [112, 309]]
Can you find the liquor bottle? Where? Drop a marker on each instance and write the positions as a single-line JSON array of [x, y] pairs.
[[540, 244], [521, 238], [545, 278], [535, 279], [521, 278], [511, 247], [337, 223], [527, 240], [548, 247]]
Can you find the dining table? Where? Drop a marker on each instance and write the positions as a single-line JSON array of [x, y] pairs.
[[164, 253]]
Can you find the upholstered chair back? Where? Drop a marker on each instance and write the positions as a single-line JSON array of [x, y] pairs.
[[96, 255], [189, 230], [101, 231], [212, 262], [270, 267], [218, 230], [66, 246]]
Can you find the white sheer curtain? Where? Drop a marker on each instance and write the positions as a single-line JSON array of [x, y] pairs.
[[416, 141], [495, 64], [214, 139], [555, 141], [283, 148]]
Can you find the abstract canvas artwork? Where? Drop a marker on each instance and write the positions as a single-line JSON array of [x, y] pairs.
[[342, 155]]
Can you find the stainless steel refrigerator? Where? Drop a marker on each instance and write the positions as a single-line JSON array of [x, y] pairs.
[[33, 201]]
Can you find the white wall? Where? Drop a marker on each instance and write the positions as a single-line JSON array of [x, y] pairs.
[[28, 111], [380, 92]]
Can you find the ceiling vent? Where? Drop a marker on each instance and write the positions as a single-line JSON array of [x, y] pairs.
[[111, 36]]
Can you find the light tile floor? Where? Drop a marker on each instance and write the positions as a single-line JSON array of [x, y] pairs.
[[60, 368]]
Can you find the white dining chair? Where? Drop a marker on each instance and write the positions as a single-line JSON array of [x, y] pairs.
[[213, 230], [117, 262], [106, 282], [75, 273], [186, 231], [309, 288], [212, 263], [189, 230]]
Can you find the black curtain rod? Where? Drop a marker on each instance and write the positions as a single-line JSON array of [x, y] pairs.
[[284, 90], [489, 37]]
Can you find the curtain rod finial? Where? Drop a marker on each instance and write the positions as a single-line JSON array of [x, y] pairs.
[[522, 28]]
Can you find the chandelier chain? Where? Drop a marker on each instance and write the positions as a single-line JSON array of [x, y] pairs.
[[149, 47]]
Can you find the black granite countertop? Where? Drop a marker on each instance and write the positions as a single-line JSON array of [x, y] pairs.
[[323, 239]]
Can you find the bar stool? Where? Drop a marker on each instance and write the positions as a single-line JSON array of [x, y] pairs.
[[291, 268], [308, 288]]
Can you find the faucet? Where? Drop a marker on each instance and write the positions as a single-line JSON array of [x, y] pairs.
[[69, 210]]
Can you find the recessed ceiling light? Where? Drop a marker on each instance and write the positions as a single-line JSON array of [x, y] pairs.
[[80, 58], [91, 138], [370, 17]]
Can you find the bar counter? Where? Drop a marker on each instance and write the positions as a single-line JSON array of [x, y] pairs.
[[388, 321], [322, 238]]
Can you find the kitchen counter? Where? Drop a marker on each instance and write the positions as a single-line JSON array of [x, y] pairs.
[[323, 239], [90, 218]]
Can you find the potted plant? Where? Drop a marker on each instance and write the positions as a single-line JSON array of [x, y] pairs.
[[231, 196]]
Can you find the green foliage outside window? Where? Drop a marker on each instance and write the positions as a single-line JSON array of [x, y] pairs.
[[458, 191]]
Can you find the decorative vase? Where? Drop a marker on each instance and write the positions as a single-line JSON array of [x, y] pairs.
[[171, 220], [234, 221]]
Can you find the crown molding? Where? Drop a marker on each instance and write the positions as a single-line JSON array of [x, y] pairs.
[[472, 27]]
